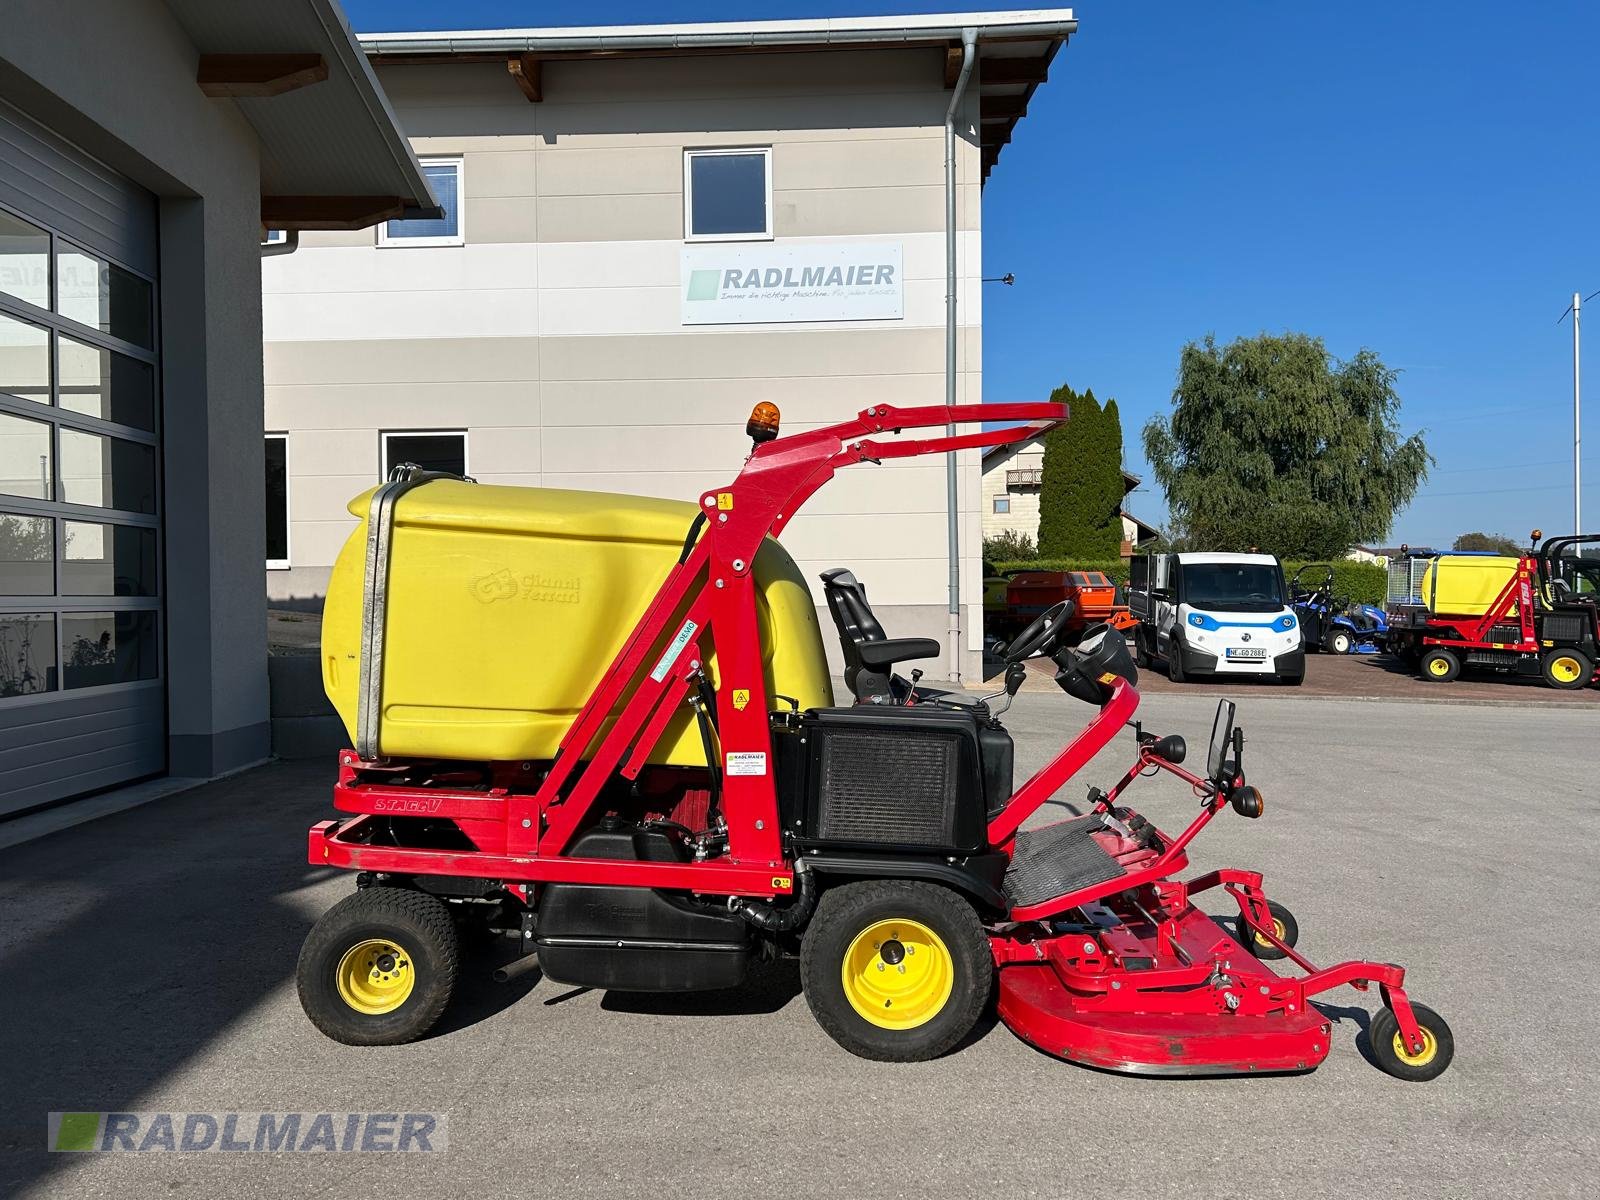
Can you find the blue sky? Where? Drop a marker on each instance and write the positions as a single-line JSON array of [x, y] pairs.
[[1419, 178]]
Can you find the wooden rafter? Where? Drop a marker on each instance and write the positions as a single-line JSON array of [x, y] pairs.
[[328, 212], [257, 75], [1002, 108], [952, 65], [528, 71], [1015, 70]]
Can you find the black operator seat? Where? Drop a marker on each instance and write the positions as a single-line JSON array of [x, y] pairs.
[[869, 654]]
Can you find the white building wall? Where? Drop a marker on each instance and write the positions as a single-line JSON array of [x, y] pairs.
[[553, 335]]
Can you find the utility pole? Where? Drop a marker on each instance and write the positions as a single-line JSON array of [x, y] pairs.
[[1577, 426]]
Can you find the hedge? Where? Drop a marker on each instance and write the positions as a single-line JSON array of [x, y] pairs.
[[1364, 583]]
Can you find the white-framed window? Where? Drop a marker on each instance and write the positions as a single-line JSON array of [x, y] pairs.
[[277, 501], [447, 177], [1002, 504], [727, 194], [430, 449]]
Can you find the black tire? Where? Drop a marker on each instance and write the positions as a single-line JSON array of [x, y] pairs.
[[1294, 680], [1439, 1047], [1141, 650], [847, 916], [1566, 669], [1175, 671], [1284, 925], [1439, 665], [1339, 641], [421, 941]]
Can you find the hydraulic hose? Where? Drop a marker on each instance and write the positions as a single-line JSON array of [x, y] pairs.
[[767, 917]]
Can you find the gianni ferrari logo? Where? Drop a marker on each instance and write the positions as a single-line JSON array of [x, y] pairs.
[[534, 585]]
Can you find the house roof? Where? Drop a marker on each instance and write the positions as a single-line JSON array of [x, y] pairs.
[[332, 153], [1015, 50], [996, 455]]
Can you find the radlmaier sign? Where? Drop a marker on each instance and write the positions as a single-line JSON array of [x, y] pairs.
[[726, 284]]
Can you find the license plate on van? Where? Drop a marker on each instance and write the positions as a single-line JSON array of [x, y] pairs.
[[1246, 652]]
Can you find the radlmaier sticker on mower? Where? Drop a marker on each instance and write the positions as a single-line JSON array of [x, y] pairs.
[[746, 762], [671, 656]]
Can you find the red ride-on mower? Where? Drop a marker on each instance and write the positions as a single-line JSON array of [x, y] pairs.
[[880, 843]]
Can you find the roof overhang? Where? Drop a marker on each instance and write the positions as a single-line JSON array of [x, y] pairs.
[[332, 153], [1015, 50]]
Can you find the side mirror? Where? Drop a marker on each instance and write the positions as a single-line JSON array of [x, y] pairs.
[[1221, 740]]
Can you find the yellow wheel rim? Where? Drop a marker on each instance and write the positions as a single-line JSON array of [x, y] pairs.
[[1565, 669], [1277, 928], [1430, 1047], [1439, 667], [375, 976], [898, 974]]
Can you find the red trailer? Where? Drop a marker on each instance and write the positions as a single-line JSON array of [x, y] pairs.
[[1094, 596]]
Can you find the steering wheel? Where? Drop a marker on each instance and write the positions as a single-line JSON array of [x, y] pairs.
[[1041, 633]]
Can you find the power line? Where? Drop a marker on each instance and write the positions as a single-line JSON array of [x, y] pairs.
[[1548, 462], [1568, 308], [1554, 487]]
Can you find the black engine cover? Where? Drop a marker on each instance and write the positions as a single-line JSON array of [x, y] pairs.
[[909, 779], [637, 939]]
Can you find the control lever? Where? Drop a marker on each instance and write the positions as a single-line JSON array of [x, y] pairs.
[[1015, 673]]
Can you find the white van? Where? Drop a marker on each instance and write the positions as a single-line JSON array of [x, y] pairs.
[[1215, 614]]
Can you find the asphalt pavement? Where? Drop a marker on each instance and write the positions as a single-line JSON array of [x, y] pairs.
[[146, 963]]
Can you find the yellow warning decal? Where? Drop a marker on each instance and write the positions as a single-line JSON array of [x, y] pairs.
[[782, 884], [741, 698], [725, 501]]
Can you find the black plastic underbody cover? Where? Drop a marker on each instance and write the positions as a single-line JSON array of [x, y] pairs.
[[637, 939]]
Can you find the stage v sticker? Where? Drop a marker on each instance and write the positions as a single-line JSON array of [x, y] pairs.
[[747, 762]]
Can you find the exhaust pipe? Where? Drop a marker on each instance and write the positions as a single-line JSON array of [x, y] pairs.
[[514, 970]]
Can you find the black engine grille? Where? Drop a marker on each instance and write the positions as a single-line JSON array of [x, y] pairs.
[[1562, 627], [888, 786]]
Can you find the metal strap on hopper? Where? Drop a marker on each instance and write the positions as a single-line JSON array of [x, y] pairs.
[[375, 597]]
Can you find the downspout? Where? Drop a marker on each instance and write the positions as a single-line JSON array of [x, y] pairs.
[[969, 55], [290, 243]]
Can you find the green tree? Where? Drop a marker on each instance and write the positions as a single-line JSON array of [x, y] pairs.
[[1274, 443], [1493, 542], [1080, 496]]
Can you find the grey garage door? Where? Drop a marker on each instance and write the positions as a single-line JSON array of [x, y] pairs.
[[82, 694]]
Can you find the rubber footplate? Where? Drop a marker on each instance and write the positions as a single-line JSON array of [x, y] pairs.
[[1056, 859]]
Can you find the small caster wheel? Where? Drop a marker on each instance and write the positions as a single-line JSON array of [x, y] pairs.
[[378, 968], [1283, 924], [1414, 1066]]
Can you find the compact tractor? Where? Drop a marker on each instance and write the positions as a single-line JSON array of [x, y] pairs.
[[603, 727], [1332, 623]]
